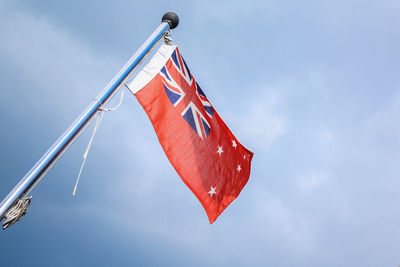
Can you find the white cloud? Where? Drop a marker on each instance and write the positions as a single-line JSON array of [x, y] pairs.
[[325, 136], [56, 67], [233, 12], [311, 181], [385, 121], [296, 228], [262, 124]]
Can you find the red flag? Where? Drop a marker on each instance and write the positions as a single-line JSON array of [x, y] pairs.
[[199, 145]]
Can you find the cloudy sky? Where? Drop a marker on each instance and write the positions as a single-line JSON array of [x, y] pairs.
[[312, 87]]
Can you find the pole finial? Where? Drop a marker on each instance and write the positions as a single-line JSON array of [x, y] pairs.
[[171, 18]]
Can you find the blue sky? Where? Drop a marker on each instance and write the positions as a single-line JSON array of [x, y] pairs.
[[312, 87]]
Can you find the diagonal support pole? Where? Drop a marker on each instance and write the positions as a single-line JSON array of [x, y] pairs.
[[169, 21]]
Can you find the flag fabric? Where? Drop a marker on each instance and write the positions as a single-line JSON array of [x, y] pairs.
[[204, 152]]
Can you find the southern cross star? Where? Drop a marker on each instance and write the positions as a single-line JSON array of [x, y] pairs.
[[234, 143], [220, 150], [212, 191]]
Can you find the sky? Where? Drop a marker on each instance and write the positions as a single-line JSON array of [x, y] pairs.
[[311, 87]]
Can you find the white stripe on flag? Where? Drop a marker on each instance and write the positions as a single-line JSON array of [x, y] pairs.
[[152, 68]]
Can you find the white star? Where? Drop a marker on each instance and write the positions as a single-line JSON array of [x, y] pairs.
[[212, 191], [220, 150], [239, 168], [234, 143]]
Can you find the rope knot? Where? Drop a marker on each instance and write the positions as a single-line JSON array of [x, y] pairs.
[[17, 211]]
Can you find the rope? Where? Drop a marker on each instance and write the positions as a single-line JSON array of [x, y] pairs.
[[17, 211], [99, 117], [96, 126], [20, 208], [117, 106], [167, 37]]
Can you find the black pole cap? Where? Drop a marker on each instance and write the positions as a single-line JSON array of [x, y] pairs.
[[171, 18]]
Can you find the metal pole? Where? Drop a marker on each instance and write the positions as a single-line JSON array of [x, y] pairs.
[[169, 21]]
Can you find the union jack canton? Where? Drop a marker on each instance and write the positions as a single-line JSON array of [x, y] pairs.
[[179, 84]]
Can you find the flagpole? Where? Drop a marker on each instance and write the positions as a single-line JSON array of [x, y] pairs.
[[169, 21]]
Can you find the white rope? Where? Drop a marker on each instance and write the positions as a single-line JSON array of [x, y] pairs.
[[99, 117], [96, 126], [117, 106], [167, 37], [17, 211]]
